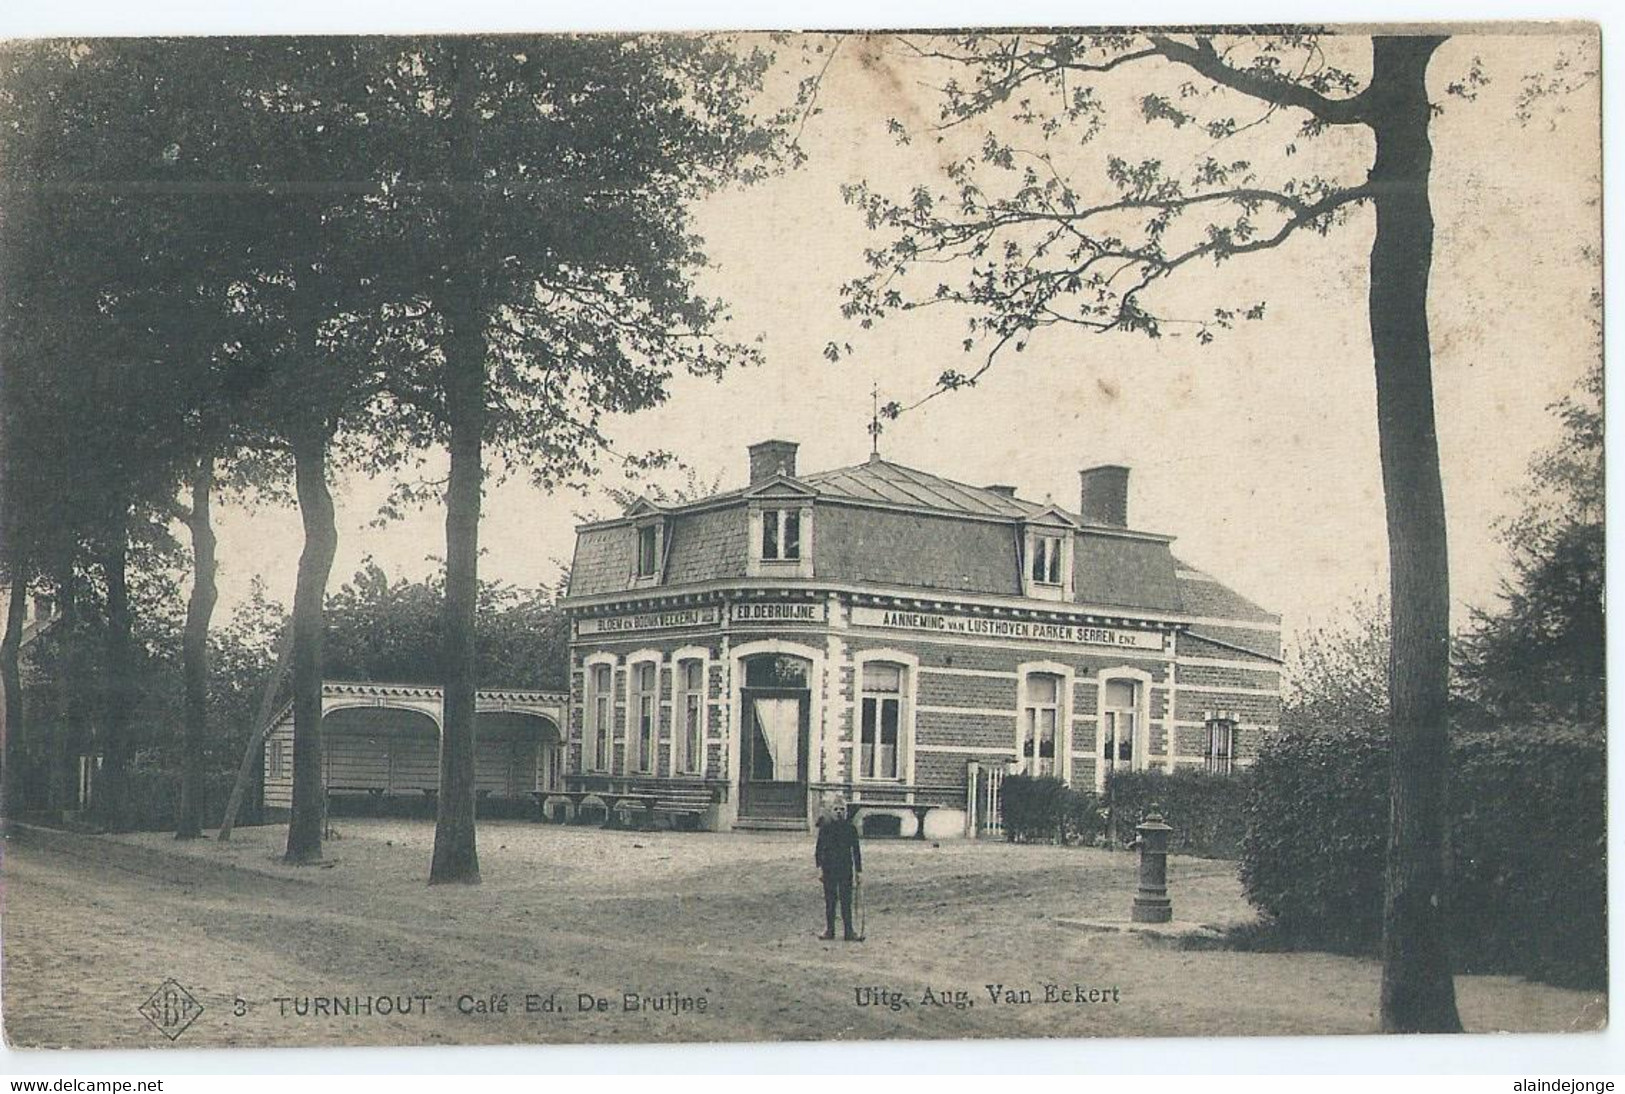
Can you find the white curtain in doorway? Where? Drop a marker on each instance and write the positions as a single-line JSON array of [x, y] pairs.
[[779, 723]]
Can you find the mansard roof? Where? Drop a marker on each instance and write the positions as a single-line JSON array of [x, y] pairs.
[[883, 524]]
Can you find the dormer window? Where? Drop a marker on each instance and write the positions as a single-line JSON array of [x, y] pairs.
[[781, 535], [648, 550], [1047, 552], [1046, 571], [781, 538]]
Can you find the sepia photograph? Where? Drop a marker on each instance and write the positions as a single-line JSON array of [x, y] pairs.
[[984, 533]]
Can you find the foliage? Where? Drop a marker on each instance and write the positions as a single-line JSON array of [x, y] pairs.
[[1527, 848], [1206, 812], [154, 797], [380, 629], [1047, 230], [1543, 653], [1043, 808], [1056, 233], [1336, 675], [1529, 853], [1316, 834]]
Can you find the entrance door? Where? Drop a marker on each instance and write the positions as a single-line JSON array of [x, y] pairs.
[[774, 725]]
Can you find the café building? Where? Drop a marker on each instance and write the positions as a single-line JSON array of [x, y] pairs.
[[897, 639]]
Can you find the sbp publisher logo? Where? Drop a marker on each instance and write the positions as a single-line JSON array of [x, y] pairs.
[[171, 1009]]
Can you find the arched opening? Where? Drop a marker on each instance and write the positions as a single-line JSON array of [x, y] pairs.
[[775, 707], [379, 752], [515, 753]]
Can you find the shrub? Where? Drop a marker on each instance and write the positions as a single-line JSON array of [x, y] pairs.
[[155, 798], [1207, 812], [1036, 808], [1317, 829], [1032, 807], [1526, 854], [1528, 843]]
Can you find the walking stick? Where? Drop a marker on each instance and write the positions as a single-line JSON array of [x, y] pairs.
[[857, 898]]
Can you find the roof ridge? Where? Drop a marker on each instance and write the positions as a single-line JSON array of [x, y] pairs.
[[993, 496]]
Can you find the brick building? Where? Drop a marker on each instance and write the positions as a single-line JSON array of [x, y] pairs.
[[890, 636]]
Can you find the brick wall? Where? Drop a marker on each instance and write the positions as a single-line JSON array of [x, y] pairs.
[[966, 691], [964, 706], [971, 730]]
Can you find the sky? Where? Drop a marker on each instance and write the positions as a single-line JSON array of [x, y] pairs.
[[1257, 452]]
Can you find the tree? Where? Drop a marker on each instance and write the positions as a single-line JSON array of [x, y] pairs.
[[144, 304], [544, 184], [380, 629], [1337, 674], [1040, 251], [1543, 654]]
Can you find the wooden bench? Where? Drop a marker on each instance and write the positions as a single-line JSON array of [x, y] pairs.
[[678, 799]]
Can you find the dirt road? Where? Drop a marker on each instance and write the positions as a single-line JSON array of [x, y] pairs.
[[582, 935]]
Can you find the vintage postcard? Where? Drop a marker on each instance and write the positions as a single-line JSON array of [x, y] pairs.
[[974, 534]]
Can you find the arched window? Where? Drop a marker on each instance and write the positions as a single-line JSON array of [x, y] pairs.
[[1120, 723], [1040, 723], [880, 747], [600, 715], [642, 710], [688, 737]]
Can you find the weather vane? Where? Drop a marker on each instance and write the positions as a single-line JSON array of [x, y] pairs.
[[874, 421]]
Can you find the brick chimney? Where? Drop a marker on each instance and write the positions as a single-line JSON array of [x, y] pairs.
[[1104, 496], [768, 458]]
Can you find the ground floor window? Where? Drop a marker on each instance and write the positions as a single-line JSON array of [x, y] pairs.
[[688, 741], [879, 751], [600, 711], [641, 710], [1040, 722], [1221, 745], [1119, 722]]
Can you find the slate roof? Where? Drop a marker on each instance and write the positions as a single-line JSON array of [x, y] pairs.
[[884, 481], [1202, 594], [881, 523]]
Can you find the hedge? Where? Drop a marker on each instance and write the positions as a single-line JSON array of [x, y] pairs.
[[154, 799], [1206, 812], [1044, 808], [1526, 886]]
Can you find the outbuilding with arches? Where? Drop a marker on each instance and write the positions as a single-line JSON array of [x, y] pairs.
[[381, 746]]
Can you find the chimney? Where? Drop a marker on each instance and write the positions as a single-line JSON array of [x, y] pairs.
[[1002, 490], [1105, 496], [768, 458]]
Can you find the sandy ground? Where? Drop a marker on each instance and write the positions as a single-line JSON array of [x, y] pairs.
[[651, 924]]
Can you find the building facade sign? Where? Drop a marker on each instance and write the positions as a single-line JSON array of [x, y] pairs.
[[983, 627], [646, 621], [778, 611]]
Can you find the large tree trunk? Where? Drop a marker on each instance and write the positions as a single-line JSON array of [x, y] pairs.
[[258, 731], [1418, 995], [456, 857], [315, 565], [11, 682], [66, 739], [195, 651], [112, 793]]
